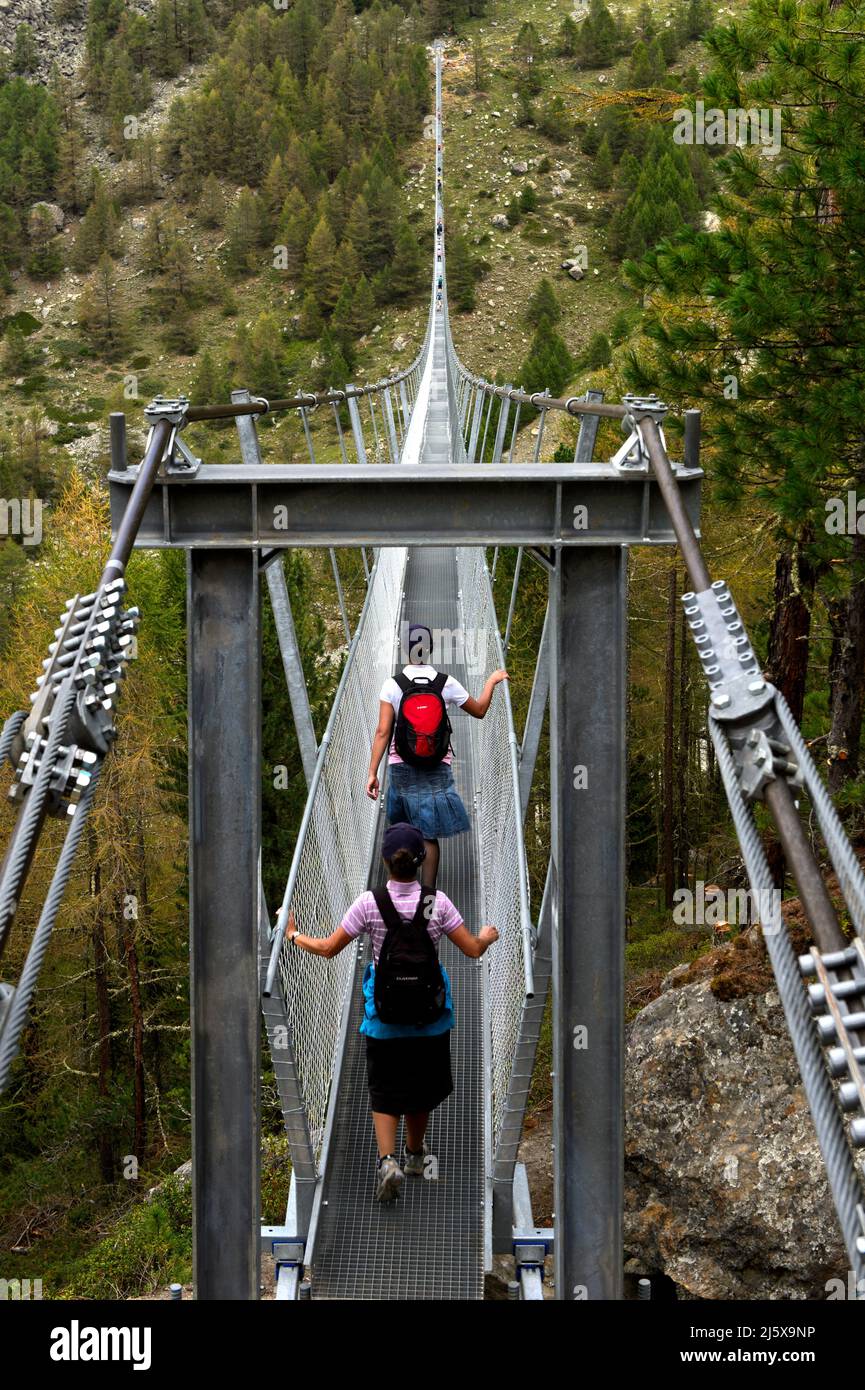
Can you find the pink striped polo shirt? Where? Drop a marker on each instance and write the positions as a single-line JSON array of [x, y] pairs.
[[364, 916]]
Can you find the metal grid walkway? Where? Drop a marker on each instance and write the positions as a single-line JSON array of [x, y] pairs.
[[428, 1244]]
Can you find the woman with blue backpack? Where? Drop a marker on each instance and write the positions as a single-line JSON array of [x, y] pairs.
[[415, 727], [408, 1008]]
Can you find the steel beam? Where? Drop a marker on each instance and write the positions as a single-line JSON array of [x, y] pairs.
[[588, 746], [224, 834], [443, 504]]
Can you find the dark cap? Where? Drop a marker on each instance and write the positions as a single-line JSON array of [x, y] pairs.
[[403, 836]]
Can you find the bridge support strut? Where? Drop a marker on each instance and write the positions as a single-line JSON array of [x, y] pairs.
[[588, 742], [224, 835]]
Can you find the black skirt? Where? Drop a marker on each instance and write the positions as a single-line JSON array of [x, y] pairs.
[[408, 1075]]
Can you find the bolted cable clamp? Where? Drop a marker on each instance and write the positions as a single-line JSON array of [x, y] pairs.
[[177, 459], [633, 453]]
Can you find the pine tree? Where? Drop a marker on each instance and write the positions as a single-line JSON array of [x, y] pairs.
[[602, 169], [211, 204], [363, 307], [773, 303], [462, 273], [544, 304], [295, 230], [548, 365], [408, 265], [98, 232], [568, 37], [103, 313], [322, 272], [25, 56], [311, 320], [333, 369], [244, 227], [597, 39], [597, 353], [479, 65]]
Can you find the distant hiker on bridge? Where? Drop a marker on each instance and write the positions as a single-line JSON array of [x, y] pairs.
[[408, 1008], [420, 780]]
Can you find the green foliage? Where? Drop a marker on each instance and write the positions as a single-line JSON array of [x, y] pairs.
[[775, 298], [104, 312], [25, 56], [528, 199], [544, 304], [98, 234], [29, 128], [245, 234], [597, 353], [602, 166], [661, 197], [148, 1246], [555, 121], [598, 40], [548, 364], [464, 271]]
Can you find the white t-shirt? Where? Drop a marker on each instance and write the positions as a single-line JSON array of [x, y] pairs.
[[452, 693]]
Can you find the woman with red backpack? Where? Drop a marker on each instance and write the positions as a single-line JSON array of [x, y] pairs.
[[414, 725]]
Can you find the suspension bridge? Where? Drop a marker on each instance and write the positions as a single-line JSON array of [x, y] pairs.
[[426, 481]]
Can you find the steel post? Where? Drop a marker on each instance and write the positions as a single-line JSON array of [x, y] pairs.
[[357, 431], [588, 755], [535, 717], [283, 618], [588, 431], [224, 834]]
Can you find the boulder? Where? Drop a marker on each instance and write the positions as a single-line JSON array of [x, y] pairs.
[[43, 212], [499, 220], [400, 343], [557, 190], [519, 167], [725, 1189], [576, 272]]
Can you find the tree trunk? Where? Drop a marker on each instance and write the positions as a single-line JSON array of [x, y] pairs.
[[668, 785], [791, 626], [787, 663], [847, 674]]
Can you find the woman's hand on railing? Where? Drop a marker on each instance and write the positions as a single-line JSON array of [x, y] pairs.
[[486, 937]]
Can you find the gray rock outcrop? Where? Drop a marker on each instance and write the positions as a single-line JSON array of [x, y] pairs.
[[725, 1187]]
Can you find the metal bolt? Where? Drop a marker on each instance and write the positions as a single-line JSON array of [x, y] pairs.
[[720, 700], [756, 686]]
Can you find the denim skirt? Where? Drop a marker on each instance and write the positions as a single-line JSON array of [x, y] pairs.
[[426, 799]]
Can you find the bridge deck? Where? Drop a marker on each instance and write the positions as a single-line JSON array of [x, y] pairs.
[[429, 1244]]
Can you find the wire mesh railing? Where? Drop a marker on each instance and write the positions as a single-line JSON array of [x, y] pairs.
[[504, 884], [331, 862]]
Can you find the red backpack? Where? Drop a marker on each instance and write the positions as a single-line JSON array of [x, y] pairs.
[[423, 731]]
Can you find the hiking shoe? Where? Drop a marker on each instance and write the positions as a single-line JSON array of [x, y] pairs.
[[414, 1163], [389, 1180]]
